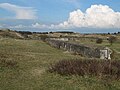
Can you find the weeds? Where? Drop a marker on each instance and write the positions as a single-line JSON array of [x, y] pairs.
[[87, 67]]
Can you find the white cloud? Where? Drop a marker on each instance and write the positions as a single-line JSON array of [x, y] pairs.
[[97, 16], [21, 12], [18, 26], [37, 25], [3, 25], [64, 25]]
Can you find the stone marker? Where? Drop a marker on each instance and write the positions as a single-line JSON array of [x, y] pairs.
[[105, 53]]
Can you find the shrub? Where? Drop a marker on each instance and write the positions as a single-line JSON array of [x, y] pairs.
[[112, 39], [87, 67], [43, 37], [99, 40]]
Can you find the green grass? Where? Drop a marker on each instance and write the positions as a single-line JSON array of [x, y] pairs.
[[33, 60]]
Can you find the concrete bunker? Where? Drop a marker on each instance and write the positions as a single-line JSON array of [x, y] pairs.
[[87, 51]]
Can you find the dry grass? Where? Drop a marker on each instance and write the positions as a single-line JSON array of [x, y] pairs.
[[33, 59], [87, 67]]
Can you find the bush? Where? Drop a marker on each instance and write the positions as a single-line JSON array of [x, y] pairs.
[[99, 40], [87, 67], [43, 37], [112, 39]]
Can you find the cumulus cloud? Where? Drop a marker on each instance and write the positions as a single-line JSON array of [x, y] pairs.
[[21, 12], [97, 16]]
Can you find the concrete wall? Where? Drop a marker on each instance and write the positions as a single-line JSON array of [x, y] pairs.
[[86, 51]]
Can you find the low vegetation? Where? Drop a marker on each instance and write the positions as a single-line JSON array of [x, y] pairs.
[[43, 37], [112, 39], [24, 65], [104, 68], [99, 40], [10, 34], [8, 63]]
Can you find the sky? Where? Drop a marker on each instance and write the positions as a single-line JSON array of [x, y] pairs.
[[54, 15]]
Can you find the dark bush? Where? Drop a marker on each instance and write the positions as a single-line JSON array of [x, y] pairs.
[[87, 67], [99, 40], [112, 39]]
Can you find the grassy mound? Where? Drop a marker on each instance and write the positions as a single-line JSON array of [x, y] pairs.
[[10, 34]]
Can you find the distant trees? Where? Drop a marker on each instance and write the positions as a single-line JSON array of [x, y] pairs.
[[25, 32]]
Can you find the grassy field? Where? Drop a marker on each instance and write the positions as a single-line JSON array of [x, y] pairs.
[[33, 59]]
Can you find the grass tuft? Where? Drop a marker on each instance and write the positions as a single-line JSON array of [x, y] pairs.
[[8, 63]]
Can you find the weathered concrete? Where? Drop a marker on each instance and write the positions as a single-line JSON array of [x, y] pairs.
[[105, 53], [91, 52]]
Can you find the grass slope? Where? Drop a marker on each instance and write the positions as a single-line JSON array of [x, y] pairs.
[[33, 59]]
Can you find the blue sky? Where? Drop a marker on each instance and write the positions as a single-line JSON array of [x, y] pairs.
[[56, 14]]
